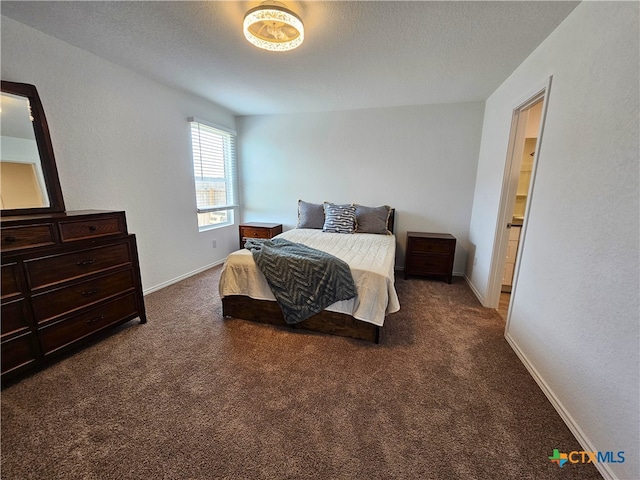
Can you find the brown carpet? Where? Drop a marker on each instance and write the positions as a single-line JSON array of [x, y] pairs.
[[192, 396]]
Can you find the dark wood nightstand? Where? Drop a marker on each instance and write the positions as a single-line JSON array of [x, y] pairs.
[[258, 230], [430, 254]]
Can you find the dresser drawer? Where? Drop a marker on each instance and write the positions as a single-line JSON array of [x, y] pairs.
[[249, 232], [14, 317], [63, 300], [93, 228], [18, 352], [65, 332], [429, 265], [57, 268], [430, 246], [28, 236], [10, 284]]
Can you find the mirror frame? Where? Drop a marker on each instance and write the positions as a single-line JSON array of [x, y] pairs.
[[45, 148]]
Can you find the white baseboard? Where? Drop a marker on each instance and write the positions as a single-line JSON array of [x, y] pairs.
[[181, 277], [475, 290], [586, 444]]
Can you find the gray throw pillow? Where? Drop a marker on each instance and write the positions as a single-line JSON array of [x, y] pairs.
[[373, 219], [339, 218], [310, 215]]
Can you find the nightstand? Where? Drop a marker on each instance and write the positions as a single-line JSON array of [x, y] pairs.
[[430, 254], [258, 230]]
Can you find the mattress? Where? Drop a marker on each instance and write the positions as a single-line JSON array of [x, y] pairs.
[[371, 259]]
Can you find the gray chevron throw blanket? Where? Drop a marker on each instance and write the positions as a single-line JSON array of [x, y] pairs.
[[304, 280]]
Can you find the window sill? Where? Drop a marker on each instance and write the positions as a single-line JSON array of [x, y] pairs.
[[214, 227]]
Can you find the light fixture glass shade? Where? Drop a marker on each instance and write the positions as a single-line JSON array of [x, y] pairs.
[[272, 26]]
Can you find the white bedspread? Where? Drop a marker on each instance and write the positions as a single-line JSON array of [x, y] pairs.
[[370, 257]]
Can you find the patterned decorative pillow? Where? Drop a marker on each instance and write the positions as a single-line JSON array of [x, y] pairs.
[[339, 218], [373, 219], [310, 215]]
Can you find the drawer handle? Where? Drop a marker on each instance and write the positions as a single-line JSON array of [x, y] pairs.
[[85, 262], [93, 228], [10, 239], [94, 320], [86, 293]]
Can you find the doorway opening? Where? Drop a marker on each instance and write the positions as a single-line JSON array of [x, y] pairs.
[[524, 144], [531, 129]]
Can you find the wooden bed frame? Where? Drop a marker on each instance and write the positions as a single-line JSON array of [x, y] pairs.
[[265, 311], [341, 324]]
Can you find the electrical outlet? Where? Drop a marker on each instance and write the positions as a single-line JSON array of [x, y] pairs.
[[214, 243]]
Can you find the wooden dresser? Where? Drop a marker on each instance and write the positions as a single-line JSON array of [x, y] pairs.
[[430, 254], [66, 278]]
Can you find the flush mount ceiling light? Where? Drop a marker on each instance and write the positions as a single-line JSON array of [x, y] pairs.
[[272, 26]]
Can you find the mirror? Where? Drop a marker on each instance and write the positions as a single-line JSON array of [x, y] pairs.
[[29, 180]]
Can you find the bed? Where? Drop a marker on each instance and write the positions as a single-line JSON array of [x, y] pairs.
[[246, 294]]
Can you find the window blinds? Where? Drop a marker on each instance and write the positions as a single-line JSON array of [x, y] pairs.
[[214, 165]]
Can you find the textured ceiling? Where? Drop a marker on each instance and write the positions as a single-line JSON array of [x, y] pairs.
[[356, 54]]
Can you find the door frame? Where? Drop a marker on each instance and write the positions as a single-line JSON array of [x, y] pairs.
[[507, 197]]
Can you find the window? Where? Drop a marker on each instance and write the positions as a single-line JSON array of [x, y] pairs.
[[214, 164]]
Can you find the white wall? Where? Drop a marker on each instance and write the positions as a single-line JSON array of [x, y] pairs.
[[121, 142], [575, 314], [419, 159]]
